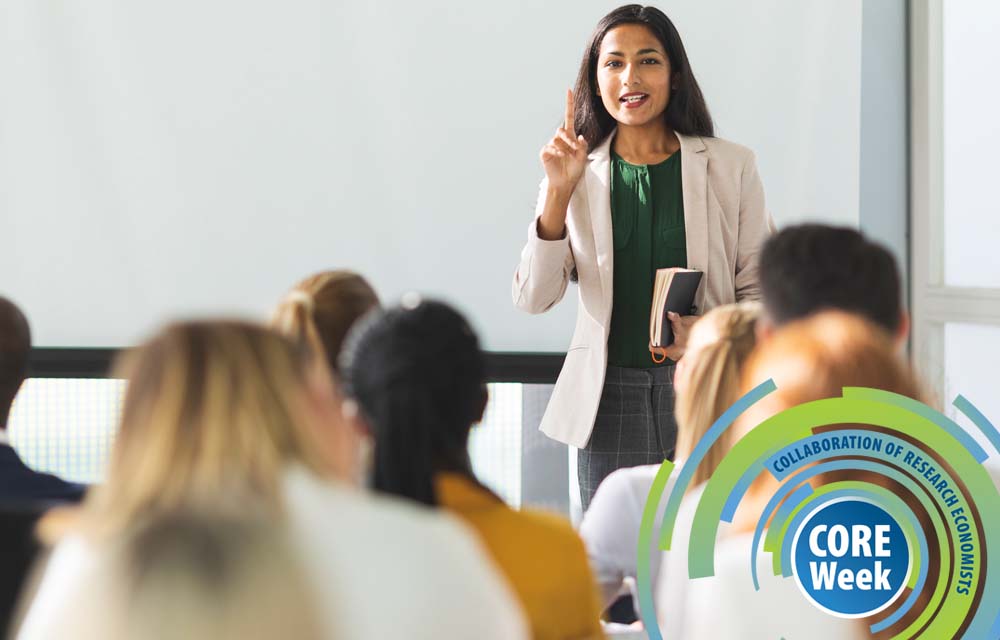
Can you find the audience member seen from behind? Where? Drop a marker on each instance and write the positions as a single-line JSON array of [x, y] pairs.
[[808, 360], [418, 377], [191, 575], [230, 417], [707, 382], [20, 486], [318, 312], [813, 267]]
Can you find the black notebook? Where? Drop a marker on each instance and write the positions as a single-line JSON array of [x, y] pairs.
[[673, 290]]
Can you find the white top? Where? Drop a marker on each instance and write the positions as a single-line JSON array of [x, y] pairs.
[[610, 527], [381, 569], [726, 604]]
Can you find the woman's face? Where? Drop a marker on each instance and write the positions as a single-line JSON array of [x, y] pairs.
[[633, 75]]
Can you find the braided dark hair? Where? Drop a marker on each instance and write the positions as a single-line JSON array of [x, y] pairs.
[[418, 376]]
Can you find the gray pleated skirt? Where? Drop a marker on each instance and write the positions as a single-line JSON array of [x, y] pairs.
[[635, 425]]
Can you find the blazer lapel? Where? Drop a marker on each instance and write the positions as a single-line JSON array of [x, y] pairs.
[[694, 181], [598, 178]]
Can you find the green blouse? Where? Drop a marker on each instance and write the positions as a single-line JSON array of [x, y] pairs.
[[647, 218]]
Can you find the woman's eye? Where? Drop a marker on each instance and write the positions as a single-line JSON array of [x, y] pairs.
[[612, 63], [651, 61]]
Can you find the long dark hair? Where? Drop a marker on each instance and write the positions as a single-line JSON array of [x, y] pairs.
[[686, 113], [418, 376]]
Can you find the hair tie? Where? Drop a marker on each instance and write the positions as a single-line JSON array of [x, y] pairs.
[[410, 300], [298, 296]]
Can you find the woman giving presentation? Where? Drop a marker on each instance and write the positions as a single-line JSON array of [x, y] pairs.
[[634, 181]]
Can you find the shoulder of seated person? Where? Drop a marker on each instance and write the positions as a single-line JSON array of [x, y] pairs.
[[550, 530], [70, 558], [366, 509], [544, 519]]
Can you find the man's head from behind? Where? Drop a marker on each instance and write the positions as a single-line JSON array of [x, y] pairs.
[[15, 344], [812, 267]]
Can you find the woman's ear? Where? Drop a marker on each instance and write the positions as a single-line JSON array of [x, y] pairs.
[[336, 436], [352, 416], [763, 329]]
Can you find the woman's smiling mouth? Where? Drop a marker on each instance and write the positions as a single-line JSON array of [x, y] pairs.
[[633, 100]]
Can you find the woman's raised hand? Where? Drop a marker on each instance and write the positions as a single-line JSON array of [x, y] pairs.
[[565, 155]]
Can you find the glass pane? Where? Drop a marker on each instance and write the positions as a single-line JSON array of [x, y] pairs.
[[495, 444], [972, 352], [67, 427], [971, 137]]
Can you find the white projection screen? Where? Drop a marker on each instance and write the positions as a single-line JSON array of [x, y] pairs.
[[177, 159]]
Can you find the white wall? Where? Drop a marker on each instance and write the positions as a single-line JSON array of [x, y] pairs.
[[163, 159]]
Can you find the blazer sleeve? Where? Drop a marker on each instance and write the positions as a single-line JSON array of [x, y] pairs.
[[755, 225], [545, 267]]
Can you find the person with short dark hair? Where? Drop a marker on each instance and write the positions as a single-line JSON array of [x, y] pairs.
[[813, 267], [20, 485]]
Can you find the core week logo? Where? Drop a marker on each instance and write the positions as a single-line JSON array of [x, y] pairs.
[[881, 512], [850, 558]]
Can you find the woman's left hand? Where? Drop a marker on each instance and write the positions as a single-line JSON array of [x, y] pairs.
[[681, 326]]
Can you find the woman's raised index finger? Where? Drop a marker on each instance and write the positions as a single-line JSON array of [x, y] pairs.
[[568, 124]]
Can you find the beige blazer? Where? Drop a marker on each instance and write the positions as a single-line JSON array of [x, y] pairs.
[[725, 224]]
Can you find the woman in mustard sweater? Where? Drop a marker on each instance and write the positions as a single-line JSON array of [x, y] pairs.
[[418, 377]]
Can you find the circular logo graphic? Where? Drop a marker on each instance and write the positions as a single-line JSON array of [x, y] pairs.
[[850, 558], [854, 547]]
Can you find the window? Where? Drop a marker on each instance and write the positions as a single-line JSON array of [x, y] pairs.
[[956, 242], [67, 427]]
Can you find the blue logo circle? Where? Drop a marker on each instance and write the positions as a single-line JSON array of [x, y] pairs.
[[850, 558]]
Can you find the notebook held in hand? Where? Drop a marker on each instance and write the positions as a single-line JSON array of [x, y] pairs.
[[673, 290]]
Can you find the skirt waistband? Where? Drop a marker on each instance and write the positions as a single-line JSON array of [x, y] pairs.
[[654, 376]]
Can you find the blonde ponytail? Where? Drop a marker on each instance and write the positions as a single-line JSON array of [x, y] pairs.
[[319, 311], [293, 317], [714, 383]]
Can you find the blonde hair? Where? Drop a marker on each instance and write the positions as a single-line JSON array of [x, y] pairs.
[[815, 358], [320, 310], [713, 383], [214, 412], [193, 575]]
